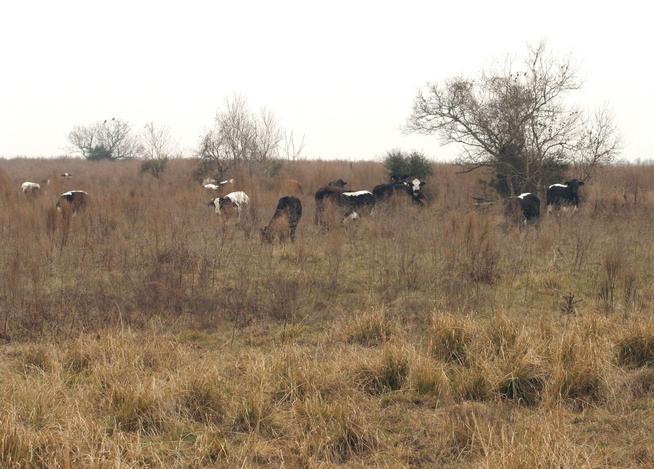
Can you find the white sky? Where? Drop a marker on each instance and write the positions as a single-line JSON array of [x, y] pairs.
[[343, 73]]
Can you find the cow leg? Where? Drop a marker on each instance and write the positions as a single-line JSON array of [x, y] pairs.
[[292, 226]]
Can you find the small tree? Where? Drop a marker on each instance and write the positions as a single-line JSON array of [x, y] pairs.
[[108, 140], [399, 164], [517, 121], [239, 136], [158, 147]]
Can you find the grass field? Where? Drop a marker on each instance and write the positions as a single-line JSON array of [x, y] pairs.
[[147, 332]]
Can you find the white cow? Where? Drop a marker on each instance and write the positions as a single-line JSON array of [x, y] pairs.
[[30, 188]]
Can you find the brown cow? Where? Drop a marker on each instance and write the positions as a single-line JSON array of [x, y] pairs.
[[290, 187]]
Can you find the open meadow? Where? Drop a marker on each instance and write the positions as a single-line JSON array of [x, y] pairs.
[[147, 332]]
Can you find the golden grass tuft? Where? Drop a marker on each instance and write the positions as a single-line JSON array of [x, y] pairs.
[[636, 349], [38, 359], [385, 372], [369, 329], [451, 338], [524, 381], [136, 409], [471, 384], [202, 399], [428, 378], [335, 432]]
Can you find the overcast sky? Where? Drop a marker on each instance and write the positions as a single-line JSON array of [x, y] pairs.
[[341, 73]]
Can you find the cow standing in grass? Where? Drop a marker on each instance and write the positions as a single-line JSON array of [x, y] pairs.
[[564, 195], [524, 208], [30, 189], [234, 201], [72, 202], [409, 190], [284, 221], [351, 201]]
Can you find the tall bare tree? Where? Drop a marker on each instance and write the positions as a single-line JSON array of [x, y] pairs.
[[240, 136], [157, 143], [292, 150], [518, 122]]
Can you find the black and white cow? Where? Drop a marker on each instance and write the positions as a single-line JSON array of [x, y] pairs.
[[523, 208], [351, 202], [72, 201], [567, 194], [412, 189], [285, 219], [214, 185], [238, 201]]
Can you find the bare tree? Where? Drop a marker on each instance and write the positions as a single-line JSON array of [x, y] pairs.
[[239, 136], [517, 122], [267, 136], [292, 151], [111, 139], [599, 144], [157, 143]]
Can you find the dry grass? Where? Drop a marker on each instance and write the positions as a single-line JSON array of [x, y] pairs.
[[146, 332]]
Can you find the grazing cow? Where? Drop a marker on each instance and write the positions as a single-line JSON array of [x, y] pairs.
[[72, 201], [214, 185], [412, 189], [350, 201], [523, 208], [66, 175], [30, 188], [238, 200], [564, 194], [285, 219]]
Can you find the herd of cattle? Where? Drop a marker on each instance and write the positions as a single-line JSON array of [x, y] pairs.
[[351, 205]]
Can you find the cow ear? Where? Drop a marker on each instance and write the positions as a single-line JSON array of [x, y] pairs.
[[422, 183]]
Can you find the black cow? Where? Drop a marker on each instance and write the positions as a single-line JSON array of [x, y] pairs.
[[72, 201], [523, 208], [564, 194], [398, 179], [286, 217]]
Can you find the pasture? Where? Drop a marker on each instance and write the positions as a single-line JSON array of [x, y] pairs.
[[147, 331]]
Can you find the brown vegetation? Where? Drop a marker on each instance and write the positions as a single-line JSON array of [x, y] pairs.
[[144, 331]]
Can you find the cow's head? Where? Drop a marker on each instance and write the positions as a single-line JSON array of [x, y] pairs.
[[574, 184], [337, 183], [266, 234], [225, 205], [416, 185]]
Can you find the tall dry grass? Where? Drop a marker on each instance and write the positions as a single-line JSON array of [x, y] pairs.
[[148, 332]]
